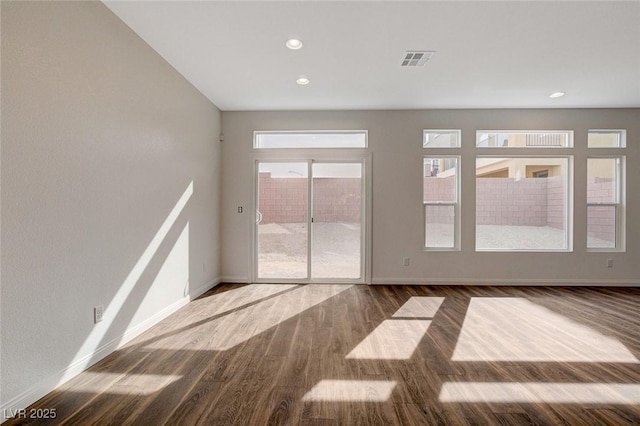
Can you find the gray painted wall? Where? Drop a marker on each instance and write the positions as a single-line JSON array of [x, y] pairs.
[[395, 142], [110, 191]]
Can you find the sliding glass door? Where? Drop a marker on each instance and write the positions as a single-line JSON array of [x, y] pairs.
[[282, 220], [309, 221], [336, 227]]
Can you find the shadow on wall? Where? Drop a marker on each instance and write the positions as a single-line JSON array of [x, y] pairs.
[[164, 262]]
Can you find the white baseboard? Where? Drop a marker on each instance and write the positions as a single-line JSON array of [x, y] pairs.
[[55, 380], [506, 282], [204, 288], [236, 279]]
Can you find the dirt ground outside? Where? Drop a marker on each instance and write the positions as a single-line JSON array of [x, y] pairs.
[[505, 237], [283, 250], [337, 246]]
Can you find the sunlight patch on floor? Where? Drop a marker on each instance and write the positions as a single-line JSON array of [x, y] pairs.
[[558, 393], [392, 339], [516, 329], [419, 307], [123, 384], [351, 390], [241, 296], [205, 309], [238, 326]]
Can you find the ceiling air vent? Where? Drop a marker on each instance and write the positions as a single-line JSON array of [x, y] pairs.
[[416, 58]]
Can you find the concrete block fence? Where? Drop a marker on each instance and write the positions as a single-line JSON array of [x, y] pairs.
[[601, 220], [499, 201], [524, 202], [284, 200]]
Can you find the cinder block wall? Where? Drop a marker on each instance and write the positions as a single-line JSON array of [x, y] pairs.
[[499, 201], [601, 221], [284, 200]]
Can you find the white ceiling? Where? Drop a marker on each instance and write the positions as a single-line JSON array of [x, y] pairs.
[[506, 54]]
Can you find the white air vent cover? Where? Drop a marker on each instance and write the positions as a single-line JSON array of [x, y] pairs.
[[416, 58]]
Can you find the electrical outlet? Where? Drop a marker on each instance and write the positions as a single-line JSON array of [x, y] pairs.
[[204, 268], [97, 314], [240, 209], [405, 261], [609, 263]]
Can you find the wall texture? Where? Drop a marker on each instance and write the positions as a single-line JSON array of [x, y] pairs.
[[110, 191], [395, 143]]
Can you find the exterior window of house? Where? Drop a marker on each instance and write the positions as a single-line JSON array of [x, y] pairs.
[[522, 203], [298, 140], [605, 212], [541, 174], [441, 139], [607, 139], [524, 139], [441, 201]]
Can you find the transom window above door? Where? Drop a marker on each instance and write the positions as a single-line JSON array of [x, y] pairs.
[[309, 139]]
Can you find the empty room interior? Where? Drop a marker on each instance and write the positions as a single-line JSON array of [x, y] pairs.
[[320, 212]]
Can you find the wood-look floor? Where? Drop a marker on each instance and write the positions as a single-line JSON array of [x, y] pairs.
[[406, 355]]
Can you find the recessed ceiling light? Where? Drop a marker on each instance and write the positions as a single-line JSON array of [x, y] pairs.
[[294, 44], [556, 95], [302, 80]]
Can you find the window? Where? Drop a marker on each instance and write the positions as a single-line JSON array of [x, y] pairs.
[[279, 140], [441, 139], [522, 203], [604, 203], [607, 139], [441, 202], [524, 139]]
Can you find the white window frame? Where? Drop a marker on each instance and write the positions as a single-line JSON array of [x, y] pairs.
[[455, 204], [457, 132], [622, 138], [256, 133], [569, 134], [618, 204], [350, 154], [568, 206]]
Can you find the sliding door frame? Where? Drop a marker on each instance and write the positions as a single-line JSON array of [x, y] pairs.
[[311, 156]]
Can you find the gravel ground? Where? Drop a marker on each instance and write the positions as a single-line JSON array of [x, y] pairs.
[[336, 249], [519, 237], [283, 248], [503, 237]]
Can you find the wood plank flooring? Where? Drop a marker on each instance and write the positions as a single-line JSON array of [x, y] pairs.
[[372, 355]]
